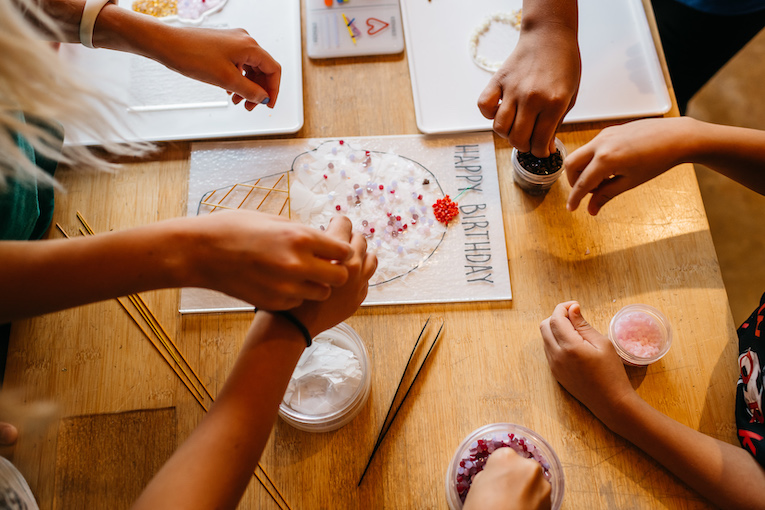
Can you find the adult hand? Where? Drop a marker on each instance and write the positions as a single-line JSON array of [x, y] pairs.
[[509, 482], [622, 157], [535, 88], [263, 259], [584, 361], [319, 316], [229, 58]]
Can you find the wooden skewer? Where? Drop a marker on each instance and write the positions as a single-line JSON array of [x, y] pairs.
[[153, 324], [161, 353]]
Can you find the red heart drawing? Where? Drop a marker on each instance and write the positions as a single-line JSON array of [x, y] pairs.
[[376, 25]]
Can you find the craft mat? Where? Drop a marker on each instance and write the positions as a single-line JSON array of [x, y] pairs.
[[621, 73], [442, 278], [158, 104]]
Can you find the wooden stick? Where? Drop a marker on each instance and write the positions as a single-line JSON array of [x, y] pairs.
[[164, 356], [152, 322]]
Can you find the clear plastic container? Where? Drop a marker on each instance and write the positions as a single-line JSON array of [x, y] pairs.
[[536, 184], [641, 334], [499, 432], [345, 337]]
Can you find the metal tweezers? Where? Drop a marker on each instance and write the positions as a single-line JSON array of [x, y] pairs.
[[387, 424]]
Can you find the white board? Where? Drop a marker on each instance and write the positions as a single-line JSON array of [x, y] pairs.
[[621, 73], [469, 263], [157, 104]]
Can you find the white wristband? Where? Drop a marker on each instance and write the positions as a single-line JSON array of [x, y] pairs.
[[88, 21]]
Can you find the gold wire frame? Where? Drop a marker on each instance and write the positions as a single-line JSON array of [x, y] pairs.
[[268, 195]]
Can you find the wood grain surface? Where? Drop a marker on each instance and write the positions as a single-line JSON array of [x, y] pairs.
[[651, 245]]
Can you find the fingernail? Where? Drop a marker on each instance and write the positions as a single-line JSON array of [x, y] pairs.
[[266, 100]]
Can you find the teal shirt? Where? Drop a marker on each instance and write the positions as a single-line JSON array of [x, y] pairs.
[[26, 208]]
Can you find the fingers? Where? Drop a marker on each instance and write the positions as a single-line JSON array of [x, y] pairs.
[[333, 247], [245, 88], [256, 77], [581, 184], [326, 272], [488, 101], [561, 327], [340, 228], [575, 316], [505, 118], [543, 137], [523, 127], [370, 265], [585, 330], [8, 434], [359, 245], [265, 71], [550, 343], [502, 456], [312, 291], [608, 189]]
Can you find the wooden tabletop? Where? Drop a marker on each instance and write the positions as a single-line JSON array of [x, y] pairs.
[[123, 411]]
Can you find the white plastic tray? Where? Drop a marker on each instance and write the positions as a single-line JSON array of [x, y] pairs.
[[159, 104], [621, 73]]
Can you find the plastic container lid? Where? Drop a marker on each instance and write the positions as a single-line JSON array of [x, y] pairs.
[[641, 334], [345, 337]]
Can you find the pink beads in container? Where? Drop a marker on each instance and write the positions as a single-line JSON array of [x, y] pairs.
[[472, 454], [641, 334]]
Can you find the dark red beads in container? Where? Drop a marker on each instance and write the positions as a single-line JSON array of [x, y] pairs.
[[535, 175], [472, 454]]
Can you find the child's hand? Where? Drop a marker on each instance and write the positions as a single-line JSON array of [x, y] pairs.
[[533, 90], [509, 482], [268, 261], [319, 316], [584, 361], [622, 157], [230, 59]]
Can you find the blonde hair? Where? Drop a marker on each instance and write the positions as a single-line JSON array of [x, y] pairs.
[[35, 84]]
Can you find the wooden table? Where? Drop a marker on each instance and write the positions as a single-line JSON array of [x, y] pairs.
[[123, 411]]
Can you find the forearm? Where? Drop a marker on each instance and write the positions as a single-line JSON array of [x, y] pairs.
[[725, 474], [214, 465], [116, 28], [735, 152], [552, 15], [44, 276]]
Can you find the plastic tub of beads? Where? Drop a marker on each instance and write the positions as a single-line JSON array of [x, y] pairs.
[[641, 334], [471, 456], [330, 384], [536, 175]]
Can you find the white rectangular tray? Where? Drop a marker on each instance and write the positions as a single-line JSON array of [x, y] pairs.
[[158, 104], [621, 73]]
